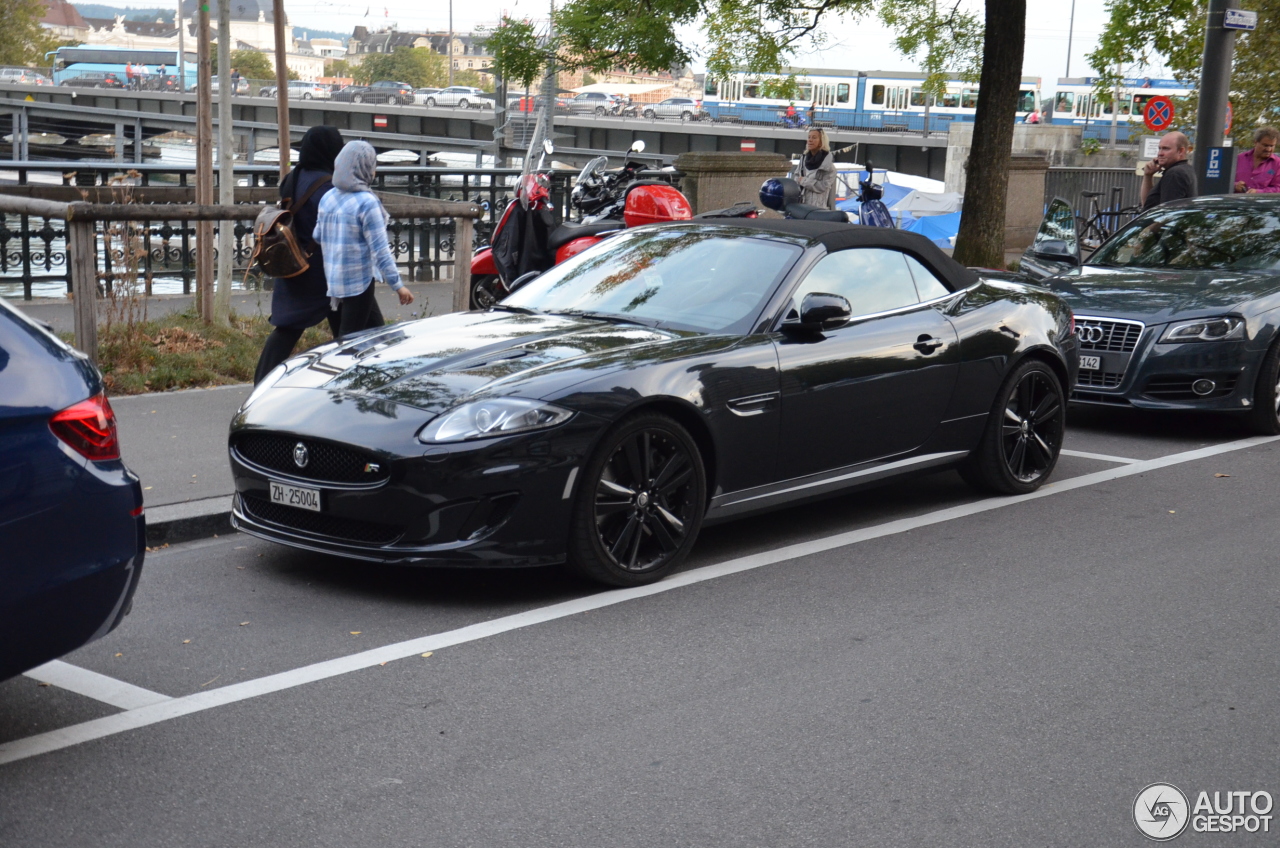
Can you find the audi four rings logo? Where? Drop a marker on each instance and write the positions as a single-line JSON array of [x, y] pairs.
[[300, 456], [1090, 333]]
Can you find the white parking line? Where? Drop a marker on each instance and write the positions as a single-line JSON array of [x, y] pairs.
[[1102, 456], [108, 690], [53, 740]]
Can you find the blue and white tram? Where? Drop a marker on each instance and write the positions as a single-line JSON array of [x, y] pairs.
[[1075, 101], [866, 100]]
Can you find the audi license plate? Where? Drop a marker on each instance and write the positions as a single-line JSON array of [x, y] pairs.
[[295, 496], [1091, 363]]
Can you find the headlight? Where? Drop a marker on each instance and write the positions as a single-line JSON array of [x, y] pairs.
[[497, 417], [1206, 330], [268, 381]]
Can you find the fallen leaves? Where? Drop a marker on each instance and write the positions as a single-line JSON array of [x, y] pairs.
[[243, 623], [207, 682], [157, 548], [355, 632], [186, 641], [1222, 475], [427, 654]]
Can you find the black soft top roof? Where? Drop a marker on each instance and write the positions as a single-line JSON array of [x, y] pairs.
[[836, 236]]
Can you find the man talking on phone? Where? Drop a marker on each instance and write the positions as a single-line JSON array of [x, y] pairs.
[[1179, 178]]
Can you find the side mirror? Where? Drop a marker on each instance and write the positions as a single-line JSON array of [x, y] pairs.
[[1054, 250], [548, 147], [820, 311], [637, 146], [527, 277]]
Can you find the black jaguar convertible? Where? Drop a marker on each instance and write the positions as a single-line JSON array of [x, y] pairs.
[[1178, 310], [672, 376]]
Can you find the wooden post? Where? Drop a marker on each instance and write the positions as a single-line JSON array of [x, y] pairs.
[[462, 265], [204, 165], [84, 286], [226, 165], [282, 87]]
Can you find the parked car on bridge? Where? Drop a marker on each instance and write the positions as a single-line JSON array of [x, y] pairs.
[[71, 523], [684, 108], [1180, 309], [672, 375], [241, 86], [420, 95], [531, 103], [594, 103], [462, 96], [300, 90], [23, 76], [382, 91], [95, 79]]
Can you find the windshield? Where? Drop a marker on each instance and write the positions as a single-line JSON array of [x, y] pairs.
[[591, 168], [678, 278], [1197, 239]]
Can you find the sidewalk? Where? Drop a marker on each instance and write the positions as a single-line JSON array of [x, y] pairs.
[[176, 442]]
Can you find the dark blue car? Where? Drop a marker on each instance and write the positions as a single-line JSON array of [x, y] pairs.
[[72, 532]]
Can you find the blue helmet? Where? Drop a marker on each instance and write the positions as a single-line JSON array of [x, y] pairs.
[[776, 193]]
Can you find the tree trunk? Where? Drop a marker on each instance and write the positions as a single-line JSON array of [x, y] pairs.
[[981, 238]]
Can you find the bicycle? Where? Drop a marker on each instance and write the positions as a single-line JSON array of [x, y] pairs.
[[1100, 224]]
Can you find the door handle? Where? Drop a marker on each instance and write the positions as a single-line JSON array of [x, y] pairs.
[[927, 344]]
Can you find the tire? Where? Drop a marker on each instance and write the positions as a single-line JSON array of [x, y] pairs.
[[648, 113], [1023, 437], [431, 101], [482, 294], [463, 103], [1264, 418], [357, 98], [599, 111], [392, 100], [639, 504], [686, 116], [306, 95]]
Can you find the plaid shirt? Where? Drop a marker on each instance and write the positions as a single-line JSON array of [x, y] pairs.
[[352, 231]]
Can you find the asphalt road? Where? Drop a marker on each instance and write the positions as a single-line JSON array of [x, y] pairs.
[[911, 665]]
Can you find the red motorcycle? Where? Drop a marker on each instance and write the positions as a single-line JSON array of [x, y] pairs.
[[525, 239]]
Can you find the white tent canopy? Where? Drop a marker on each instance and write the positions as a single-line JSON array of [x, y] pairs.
[[621, 87], [920, 203]]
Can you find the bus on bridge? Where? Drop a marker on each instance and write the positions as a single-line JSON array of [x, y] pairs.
[[72, 62]]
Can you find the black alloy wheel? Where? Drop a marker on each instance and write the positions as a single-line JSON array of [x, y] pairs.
[[485, 290], [648, 113], [1265, 417], [639, 504], [1023, 437]]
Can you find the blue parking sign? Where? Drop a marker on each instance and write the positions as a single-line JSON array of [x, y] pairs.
[[1214, 169]]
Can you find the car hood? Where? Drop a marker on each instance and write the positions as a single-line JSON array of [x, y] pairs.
[[1155, 295], [438, 362]]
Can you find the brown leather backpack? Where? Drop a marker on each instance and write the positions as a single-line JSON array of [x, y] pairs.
[[277, 250]]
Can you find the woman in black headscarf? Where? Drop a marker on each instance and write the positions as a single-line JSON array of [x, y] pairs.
[[302, 301]]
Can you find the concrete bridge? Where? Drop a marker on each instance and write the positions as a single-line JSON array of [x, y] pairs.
[[134, 116]]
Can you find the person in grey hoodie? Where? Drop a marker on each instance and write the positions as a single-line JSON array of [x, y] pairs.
[[351, 227], [816, 172]]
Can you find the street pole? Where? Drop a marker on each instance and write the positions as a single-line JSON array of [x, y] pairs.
[[1115, 110], [1071, 29], [182, 50], [449, 47], [1215, 84], [226, 165], [204, 164], [282, 89]]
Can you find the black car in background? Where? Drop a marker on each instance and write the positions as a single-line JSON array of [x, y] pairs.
[[383, 91], [671, 376], [72, 532], [1178, 310], [95, 79]]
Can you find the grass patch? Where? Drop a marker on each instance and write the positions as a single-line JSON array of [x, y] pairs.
[[179, 351]]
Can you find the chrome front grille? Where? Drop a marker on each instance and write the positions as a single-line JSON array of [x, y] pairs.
[[1099, 379], [1109, 335]]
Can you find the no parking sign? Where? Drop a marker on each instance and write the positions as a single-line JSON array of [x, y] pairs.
[[1158, 114]]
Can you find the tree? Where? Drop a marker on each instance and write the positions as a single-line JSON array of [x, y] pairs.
[[338, 68], [22, 40], [418, 66], [252, 64], [759, 35], [474, 78]]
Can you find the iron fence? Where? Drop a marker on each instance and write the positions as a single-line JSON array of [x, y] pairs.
[[1118, 187]]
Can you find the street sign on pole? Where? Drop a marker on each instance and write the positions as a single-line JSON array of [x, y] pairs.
[[1220, 171], [1158, 114], [1239, 19]]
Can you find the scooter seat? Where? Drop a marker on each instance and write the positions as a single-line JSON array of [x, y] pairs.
[[568, 231], [806, 212]]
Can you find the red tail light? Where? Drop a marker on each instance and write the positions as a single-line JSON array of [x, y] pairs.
[[88, 428]]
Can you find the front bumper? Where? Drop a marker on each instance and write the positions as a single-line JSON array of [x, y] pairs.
[[502, 502]]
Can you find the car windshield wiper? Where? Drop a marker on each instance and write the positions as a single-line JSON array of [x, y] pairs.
[[601, 316], [523, 310]]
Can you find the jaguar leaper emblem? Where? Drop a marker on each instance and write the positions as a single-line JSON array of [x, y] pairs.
[[300, 455]]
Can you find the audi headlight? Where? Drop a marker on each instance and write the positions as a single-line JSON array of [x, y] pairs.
[[1225, 329], [498, 417]]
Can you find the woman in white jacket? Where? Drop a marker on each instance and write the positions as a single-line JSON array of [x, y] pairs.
[[816, 172]]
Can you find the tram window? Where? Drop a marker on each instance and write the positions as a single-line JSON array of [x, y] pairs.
[[751, 91], [1140, 103], [951, 99], [917, 97], [842, 92], [877, 95], [969, 98], [1026, 101], [1066, 102], [710, 87], [806, 92]]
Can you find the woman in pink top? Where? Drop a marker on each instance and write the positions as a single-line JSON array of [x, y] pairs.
[[1258, 170]]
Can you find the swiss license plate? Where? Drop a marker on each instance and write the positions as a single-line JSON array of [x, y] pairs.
[[1091, 363], [295, 496]]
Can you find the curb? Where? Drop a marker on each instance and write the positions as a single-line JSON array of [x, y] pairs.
[[170, 524]]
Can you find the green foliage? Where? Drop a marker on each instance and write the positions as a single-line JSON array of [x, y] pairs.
[[518, 54], [418, 66], [1090, 146], [782, 88], [473, 78], [22, 40], [588, 79], [338, 68], [252, 64]]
